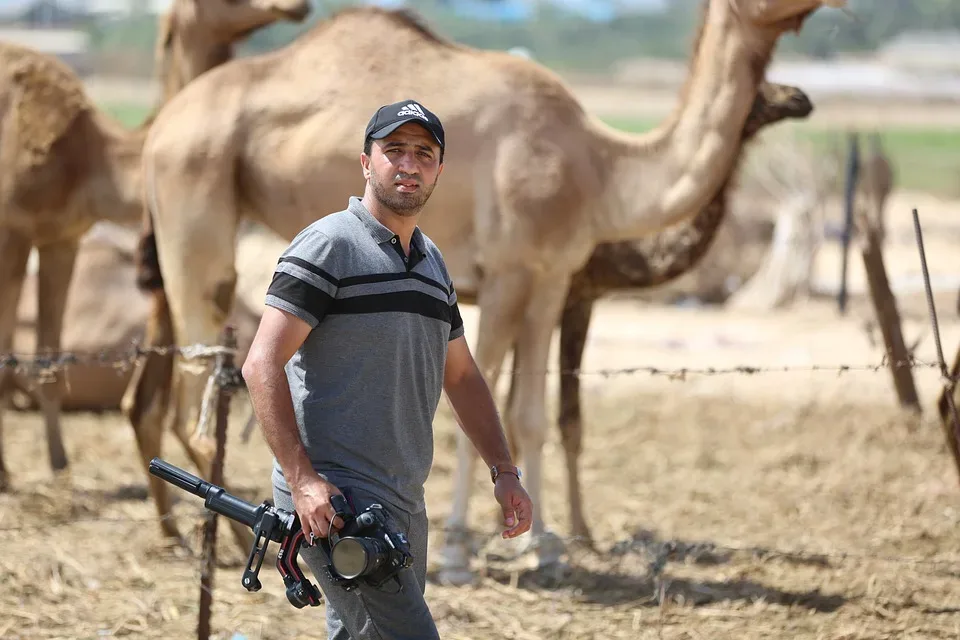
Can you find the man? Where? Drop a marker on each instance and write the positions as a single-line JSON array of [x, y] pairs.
[[360, 333]]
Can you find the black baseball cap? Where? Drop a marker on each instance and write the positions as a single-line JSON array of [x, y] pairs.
[[390, 117]]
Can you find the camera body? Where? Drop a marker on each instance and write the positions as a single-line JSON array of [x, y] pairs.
[[367, 548]]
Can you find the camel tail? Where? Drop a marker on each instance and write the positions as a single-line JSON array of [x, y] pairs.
[[149, 277]]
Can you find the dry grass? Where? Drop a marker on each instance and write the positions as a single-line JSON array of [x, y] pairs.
[[828, 473]]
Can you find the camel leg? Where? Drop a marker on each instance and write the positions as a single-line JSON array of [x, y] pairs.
[[574, 325], [544, 305], [145, 402], [14, 253], [57, 262], [511, 398], [501, 303]]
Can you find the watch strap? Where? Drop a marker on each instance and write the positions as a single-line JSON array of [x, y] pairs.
[[498, 469]]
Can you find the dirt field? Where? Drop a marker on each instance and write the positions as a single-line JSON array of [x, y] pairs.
[[804, 504]]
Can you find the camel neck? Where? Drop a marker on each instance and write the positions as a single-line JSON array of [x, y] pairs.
[[189, 55], [670, 174]]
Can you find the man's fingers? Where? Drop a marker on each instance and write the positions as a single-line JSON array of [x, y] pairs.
[[312, 529], [525, 514], [523, 520]]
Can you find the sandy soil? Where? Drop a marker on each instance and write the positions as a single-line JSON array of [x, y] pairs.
[[803, 503]]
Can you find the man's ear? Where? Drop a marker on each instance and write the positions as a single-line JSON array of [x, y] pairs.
[[365, 163]]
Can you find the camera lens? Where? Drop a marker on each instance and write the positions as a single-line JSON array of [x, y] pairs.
[[353, 557]]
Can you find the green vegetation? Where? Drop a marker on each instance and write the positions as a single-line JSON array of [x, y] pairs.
[[130, 115], [925, 159]]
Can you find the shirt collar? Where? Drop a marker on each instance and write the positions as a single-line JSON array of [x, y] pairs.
[[376, 228]]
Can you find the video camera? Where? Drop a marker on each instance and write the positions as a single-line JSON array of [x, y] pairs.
[[366, 548]]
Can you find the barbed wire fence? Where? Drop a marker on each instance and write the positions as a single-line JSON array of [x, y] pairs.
[[225, 379]]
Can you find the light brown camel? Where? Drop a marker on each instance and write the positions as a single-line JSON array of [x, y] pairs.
[[641, 264], [67, 165], [533, 183]]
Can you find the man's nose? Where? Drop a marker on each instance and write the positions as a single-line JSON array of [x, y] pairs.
[[408, 163]]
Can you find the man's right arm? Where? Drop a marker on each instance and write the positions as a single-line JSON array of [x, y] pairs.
[[278, 337], [298, 298]]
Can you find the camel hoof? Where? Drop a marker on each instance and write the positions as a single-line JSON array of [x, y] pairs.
[[583, 539], [456, 577], [58, 462], [4, 483], [548, 548], [454, 560]]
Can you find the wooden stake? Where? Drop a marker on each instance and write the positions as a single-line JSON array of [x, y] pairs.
[[888, 317], [947, 407], [224, 364]]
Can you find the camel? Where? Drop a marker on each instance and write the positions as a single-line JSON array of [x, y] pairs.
[[105, 313], [641, 264], [68, 165], [533, 183]]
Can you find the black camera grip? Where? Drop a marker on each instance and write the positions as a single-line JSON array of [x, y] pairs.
[[216, 498], [178, 477], [229, 505]]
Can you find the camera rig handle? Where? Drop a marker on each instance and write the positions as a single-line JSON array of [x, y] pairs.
[[268, 523]]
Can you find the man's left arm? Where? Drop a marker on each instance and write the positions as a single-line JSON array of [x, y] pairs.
[[477, 415]]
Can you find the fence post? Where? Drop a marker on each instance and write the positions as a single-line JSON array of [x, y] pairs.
[[224, 363], [853, 175], [888, 317]]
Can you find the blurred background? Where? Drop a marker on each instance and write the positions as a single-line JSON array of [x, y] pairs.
[[624, 58]]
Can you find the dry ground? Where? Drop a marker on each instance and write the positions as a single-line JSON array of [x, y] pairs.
[[833, 514]]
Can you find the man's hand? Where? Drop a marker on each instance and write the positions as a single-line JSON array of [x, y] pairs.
[[516, 504], [311, 499]]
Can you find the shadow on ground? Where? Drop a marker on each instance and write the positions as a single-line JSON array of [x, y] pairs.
[[636, 571]]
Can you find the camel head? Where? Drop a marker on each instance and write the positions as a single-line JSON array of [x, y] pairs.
[[231, 20], [785, 101], [781, 15]]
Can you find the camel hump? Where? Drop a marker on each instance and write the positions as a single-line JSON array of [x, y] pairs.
[[47, 98]]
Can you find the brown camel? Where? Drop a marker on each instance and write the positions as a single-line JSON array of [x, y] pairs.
[[68, 165], [105, 314], [641, 264], [533, 183]]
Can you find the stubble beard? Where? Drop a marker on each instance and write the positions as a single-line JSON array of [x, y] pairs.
[[403, 204]]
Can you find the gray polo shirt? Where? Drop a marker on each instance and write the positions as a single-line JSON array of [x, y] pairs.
[[367, 380]]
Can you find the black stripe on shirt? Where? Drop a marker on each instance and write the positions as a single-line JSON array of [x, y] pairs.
[[415, 302], [301, 294], [351, 281]]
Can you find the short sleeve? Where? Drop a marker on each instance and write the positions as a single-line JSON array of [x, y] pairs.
[[456, 322], [303, 282]]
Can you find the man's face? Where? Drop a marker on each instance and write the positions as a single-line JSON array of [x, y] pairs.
[[403, 168]]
